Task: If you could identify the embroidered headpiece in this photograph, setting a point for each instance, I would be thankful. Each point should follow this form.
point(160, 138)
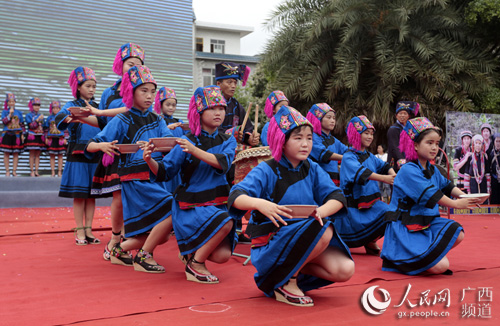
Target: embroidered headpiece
point(136, 76)
point(226, 70)
point(78, 77)
point(316, 113)
point(487, 126)
point(8, 97)
point(477, 138)
point(129, 50)
point(408, 106)
point(271, 101)
point(54, 104)
point(413, 128)
point(355, 128)
point(465, 133)
point(204, 98)
point(281, 124)
point(163, 94)
point(33, 101)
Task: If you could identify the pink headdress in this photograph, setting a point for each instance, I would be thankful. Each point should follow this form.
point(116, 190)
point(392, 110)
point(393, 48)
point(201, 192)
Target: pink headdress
point(355, 128)
point(54, 104)
point(289, 119)
point(8, 97)
point(78, 77)
point(316, 113)
point(33, 101)
point(412, 130)
point(129, 50)
point(137, 75)
point(273, 99)
point(203, 98)
point(163, 94)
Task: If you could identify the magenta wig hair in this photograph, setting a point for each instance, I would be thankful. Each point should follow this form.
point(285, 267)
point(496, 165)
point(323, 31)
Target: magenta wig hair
point(30, 105)
point(316, 123)
point(5, 104)
point(73, 83)
point(194, 117)
point(157, 103)
point(246, 75)
point(269, 108)
point(353, 137)
point(276, 139)
point(107, 160)
point(127, 91)
point(407, 146)
point(118, 63)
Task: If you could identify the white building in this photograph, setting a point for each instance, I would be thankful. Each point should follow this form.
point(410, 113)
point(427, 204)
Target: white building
point(213, 43)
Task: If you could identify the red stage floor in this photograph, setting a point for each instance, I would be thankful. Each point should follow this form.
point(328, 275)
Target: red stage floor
point(48, 280)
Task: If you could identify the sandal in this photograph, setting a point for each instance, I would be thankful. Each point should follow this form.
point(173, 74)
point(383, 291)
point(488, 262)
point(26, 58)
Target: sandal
point(183, 258)
point(140, 264)
point(107, 252)
point(80, 242)
point(91, 240)
point(194, 276)
point(284, 296)
point(120, 257)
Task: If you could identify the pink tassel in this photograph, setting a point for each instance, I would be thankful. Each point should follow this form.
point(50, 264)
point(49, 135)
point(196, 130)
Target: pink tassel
point(61, 141)
point(73, 83)
point(18, 141)
point(417, 107)
point(157, 103)
point(246, 75)
point(194, 118)
point(353, 137)
point(118, 63)
point(31, 137)
point(107, 160)
point(407, 146)
point(315, 122)
point(276, 139)
point(30, 106)
point(127, 91)
point(43, 138)
point(269, 108)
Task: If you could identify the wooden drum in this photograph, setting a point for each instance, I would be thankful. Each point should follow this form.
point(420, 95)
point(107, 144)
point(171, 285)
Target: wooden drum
point(247, 159)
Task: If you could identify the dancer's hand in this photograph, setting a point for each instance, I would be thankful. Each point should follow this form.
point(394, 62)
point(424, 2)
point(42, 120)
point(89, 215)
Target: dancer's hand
point(273, 211)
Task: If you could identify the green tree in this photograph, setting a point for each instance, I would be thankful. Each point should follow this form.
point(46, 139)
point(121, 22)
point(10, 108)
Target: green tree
point(362, 56)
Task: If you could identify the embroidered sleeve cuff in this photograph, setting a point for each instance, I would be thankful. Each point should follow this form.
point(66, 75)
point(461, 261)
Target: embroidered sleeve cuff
point(160, 176)
point(449, 187)
point(336, 195)
point(363, 178)
point(434, 199)
point(385, 169)
point(222, 159)
point(238, 213)
point(326, 157)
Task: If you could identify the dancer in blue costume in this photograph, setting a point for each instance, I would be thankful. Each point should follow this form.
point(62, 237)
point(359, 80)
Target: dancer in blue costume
point(292, 255)
point(11, 141)
point(35, 140)
point(327, 150)
point(203, 228)
point(146, 205)
point(79, 170)
point(417, 239)
point(360, 172)
point(274, 101)
point(55, 141)
point(165, 105)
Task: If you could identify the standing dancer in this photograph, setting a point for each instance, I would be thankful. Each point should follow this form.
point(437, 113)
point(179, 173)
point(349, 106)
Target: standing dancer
point(12, 138)
point(165, 105)
point(463, 155)
point(79, 170)
point(35, 142)
point(55, 140)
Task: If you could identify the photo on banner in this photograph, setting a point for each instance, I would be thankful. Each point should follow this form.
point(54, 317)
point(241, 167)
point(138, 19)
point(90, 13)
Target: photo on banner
point(473, 149)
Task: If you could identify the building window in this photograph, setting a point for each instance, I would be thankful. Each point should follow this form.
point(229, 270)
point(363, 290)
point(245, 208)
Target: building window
point(199, 44)
point(218, 46)
point(208, 76)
